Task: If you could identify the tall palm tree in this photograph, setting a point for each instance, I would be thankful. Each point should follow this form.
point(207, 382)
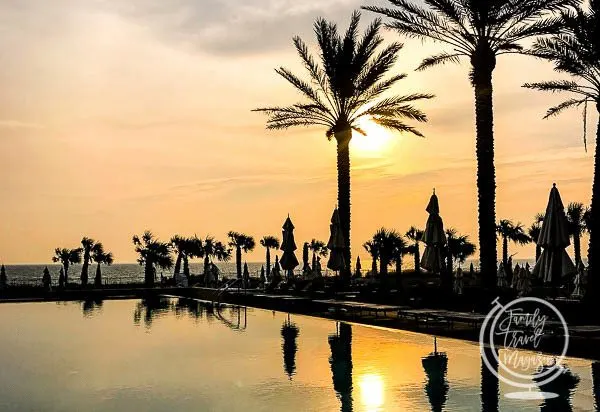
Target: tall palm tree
point(345, 86)
point(575, 52)
point(87, 245)
point(269, 242)
point(178, 244)
point(213, 249)
point(67, 257)
point(459, 248)
point(416, 235)
point(511, 232)
point(372, 250)
point(534, 233)
point(241, 243)
point(100, 257)
point(576, 222)
point(479, 31)
point(152, 254)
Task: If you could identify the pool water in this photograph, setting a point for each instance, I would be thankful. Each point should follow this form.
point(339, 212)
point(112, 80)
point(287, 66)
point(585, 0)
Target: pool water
point(170, 354)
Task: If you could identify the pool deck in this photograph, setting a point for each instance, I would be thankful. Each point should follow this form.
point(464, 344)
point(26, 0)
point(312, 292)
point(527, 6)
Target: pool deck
point(584, 339)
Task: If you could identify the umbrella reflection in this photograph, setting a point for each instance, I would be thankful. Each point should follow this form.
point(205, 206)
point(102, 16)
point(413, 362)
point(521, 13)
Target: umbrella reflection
point(436, 366)
point(289, 333)
point(341, 364)
point(564, 385)
point(90, 307)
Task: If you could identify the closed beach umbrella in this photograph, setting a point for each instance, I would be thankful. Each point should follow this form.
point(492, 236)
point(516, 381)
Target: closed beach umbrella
point(262, 274)
point(246, 273)
point(305, 266)
point(336, 244)
point(434, 237)
point(554, 263)
point(436, 366)
point(288, 246)
point(471, 270)
point(276, 271)
point(501, 277)
point(3, 279)
point(358, 267)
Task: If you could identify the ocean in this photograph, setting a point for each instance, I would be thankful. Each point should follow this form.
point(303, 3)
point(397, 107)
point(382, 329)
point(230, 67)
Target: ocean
point(134, 273)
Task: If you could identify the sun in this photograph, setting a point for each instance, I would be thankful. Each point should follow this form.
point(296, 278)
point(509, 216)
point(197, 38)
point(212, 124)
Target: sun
point(371, 391)
point(375, 142)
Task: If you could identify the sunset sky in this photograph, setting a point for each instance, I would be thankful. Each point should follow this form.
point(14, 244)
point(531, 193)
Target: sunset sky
point(120, 116)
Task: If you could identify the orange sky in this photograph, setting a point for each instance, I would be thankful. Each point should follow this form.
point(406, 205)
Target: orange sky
point(117, 118)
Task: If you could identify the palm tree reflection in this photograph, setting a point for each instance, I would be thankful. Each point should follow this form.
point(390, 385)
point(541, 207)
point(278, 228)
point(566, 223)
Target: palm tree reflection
point(436, 366)
point(490, 386)
point(289, 333)
point(151, 308)
point(341, 364)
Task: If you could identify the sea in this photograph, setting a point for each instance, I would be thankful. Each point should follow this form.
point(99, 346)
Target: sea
point(23, 274)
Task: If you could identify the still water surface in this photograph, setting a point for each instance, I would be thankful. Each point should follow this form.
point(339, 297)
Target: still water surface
point(176, 355)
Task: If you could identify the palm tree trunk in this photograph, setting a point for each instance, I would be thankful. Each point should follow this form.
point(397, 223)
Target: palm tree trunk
point(343, 169)
point(373, 266)
point(399, 265)
point(594, 249)
point(383, 265)
point(268, 263)
point(84, 268)
point(238, 261)
point(98, 278)
point(417, 258)
point(149, 272)
point(178, 263)
point(577, 248)
point(483, 66)
point(186, 266)
point(538, 252)
point(504, 251)
point(66, 266)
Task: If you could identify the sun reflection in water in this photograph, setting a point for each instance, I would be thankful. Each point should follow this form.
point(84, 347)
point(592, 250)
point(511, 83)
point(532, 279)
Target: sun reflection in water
point(371, 391)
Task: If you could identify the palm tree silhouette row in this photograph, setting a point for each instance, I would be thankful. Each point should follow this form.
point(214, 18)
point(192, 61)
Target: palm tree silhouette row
point(101, 258)
point(345, 86)
point(269, 242)
point(515, 233)
point(152, 254)
point(241, 243)
point(67, 257)
point(480, 31)
point(577, 226)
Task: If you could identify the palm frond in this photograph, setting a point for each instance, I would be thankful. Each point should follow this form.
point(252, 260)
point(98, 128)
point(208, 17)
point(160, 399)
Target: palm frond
point(439, 59)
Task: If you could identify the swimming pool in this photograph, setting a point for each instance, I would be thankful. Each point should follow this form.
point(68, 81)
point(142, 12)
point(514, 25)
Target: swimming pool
point(177, 355)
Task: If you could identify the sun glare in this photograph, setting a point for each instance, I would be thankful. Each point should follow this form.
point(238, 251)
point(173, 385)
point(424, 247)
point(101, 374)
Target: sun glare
point(375, 142)
point(371, 392)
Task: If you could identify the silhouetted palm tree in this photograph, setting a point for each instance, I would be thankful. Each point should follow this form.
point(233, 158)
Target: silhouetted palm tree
point(289, 346)
point(87, 245)
point(479, 31)
point(387, 242)
point(240, 242)
point(67, 257)
point(345, 86)
point(371, 248)
point(575, 219)
point(575, 52)
point(400, 250)
point(269, 242)
point(416, 236)
point(178, 244)
point(459, 248)
point(192, 248)
point(214, 249)
point(318, 248)
point(515, 233)
point(340, 361)
point(534, 233)
point(153, 253)
point(100, 257)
